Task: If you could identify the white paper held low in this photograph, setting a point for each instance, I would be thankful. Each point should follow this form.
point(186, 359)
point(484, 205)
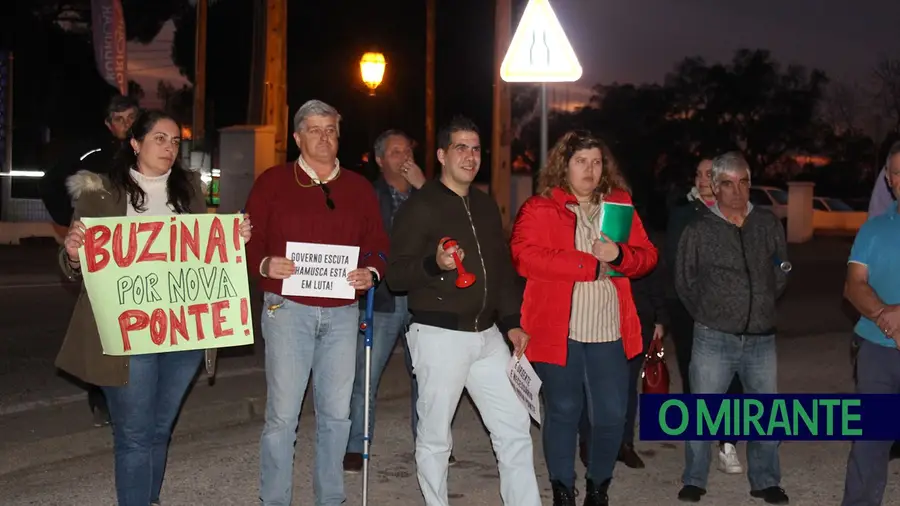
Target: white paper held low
point(526, 384)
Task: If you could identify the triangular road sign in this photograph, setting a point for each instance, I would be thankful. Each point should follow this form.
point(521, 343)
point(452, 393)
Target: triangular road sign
point(540, 51)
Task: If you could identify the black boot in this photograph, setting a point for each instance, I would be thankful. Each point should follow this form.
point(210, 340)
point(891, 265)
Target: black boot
point(629, 457)
point(596, 494)
point(562, 495)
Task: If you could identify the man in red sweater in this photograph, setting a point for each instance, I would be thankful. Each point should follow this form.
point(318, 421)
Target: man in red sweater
point(310, 200)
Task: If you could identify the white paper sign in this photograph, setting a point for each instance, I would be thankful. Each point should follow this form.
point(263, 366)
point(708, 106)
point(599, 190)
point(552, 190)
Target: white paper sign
point(526, 384)
point(320, 270)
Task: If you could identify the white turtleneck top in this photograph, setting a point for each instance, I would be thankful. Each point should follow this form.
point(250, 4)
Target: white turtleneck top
point(156, 203)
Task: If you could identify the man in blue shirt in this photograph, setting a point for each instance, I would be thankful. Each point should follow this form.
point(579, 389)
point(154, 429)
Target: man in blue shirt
point(873, 287)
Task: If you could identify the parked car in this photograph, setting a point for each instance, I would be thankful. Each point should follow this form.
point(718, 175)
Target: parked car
point(771, 198)
point(829, 204)
point(836, 215)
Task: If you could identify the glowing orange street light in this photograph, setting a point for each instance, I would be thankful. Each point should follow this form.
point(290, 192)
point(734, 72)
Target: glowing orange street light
point(372, 68)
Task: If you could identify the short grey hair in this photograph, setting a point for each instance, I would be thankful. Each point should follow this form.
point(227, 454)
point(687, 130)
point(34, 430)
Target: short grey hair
point(315, 108)
point(381, 141)
point(732, 162)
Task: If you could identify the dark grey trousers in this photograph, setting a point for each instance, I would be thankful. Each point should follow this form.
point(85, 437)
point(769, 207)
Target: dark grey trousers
point(877, 372)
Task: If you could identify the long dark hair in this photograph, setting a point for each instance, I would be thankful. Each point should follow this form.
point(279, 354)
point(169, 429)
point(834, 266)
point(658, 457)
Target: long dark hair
point(180, 189)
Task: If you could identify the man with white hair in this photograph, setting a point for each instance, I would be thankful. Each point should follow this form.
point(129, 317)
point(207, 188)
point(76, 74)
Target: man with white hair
point(728, 275)
point(311, 200)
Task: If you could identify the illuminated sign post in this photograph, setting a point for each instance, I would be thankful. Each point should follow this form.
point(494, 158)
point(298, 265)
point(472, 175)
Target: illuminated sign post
point(6, 60)
point(540, 52)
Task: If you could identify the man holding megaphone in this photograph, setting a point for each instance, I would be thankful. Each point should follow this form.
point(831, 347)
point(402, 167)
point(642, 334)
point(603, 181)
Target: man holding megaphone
point(449, 253)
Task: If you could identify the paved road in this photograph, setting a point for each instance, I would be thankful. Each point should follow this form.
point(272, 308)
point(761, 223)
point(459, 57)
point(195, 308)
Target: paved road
point(219, 467)
point(50, 456)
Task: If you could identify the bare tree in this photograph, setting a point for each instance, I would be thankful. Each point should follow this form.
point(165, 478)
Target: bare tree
point(887, 92)
point(843, 107)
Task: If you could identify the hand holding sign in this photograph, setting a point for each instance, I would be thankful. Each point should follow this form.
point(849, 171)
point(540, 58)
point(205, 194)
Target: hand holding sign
point(361, 279)
point(520, 341)
point(74, 241)
point(278, 267)
point(245, 229)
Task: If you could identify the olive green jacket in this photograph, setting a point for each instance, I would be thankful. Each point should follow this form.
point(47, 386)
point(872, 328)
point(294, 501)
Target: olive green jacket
point(81, 354)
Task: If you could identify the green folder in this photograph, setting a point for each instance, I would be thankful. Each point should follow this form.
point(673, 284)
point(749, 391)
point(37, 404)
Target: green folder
point(615, 222)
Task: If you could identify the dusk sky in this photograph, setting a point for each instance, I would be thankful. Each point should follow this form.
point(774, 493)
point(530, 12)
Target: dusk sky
point(641, 40)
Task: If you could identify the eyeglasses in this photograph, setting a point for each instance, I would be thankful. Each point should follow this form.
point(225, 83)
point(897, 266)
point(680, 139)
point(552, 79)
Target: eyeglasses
point(327, 191)
point(330, 132)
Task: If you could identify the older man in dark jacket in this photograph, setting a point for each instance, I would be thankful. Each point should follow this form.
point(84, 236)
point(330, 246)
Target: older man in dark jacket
point(400, 177)
point(728, 277)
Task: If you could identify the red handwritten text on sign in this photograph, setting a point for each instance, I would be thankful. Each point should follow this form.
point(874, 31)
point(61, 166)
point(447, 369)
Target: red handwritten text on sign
point(175, 281)
point(144, 244)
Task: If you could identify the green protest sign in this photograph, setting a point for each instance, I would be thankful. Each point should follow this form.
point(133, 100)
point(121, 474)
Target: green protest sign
point(173, 283)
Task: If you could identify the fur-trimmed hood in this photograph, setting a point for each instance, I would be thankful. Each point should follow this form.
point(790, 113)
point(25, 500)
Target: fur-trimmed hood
point(85, 181)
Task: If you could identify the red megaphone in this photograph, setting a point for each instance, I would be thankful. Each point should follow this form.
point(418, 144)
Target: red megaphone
point(464, 279)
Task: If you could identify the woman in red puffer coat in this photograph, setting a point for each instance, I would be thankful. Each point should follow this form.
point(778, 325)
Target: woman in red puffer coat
point(578, 307)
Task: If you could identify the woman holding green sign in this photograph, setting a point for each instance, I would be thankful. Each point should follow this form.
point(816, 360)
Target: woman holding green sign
point(577, 244)
point(144, 392)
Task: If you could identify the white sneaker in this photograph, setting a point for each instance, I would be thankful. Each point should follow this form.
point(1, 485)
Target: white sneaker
point(728, 460)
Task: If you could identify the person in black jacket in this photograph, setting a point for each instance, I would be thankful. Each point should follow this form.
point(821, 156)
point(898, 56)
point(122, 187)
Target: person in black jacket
point(695, 203)
point(685, 210)
point(456, 336)
point(400, 178)
point(94, 156)
point(649, 299)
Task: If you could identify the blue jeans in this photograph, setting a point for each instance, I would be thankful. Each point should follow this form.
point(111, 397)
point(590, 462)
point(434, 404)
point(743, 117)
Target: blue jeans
point(143, 413)
point(385, 329)
point(301, 339)
point(715, 359)
point(598, 374)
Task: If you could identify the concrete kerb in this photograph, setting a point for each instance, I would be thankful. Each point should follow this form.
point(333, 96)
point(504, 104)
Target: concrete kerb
point(95, 440)
point(204, 410)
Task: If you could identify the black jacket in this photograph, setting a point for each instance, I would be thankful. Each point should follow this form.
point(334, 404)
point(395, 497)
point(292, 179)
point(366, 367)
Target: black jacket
point(94, 156)
point(650, 300)
point(728, 277)
point(384, 296)
point(682, 213)
point(433, 213)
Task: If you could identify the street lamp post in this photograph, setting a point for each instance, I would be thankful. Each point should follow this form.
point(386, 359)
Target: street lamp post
point(372, 68)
